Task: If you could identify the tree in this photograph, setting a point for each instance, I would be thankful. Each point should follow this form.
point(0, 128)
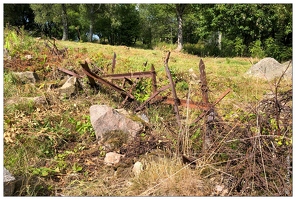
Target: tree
point(245, 24)
point(161, 20)
point(166, 21)
point(180, 8)
point(88, 16)
point(50, 15)
point(120, 23)
point(19, 15)
point(65, 22)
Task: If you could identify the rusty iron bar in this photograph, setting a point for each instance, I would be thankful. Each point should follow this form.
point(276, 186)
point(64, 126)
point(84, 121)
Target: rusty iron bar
point(127, 80)
point(154, 84)
point(152, 97)
point(87, 71)
point(209, 108)
point(70, 72)
point(206, 112)
point(129, 75)
point(130, 90)
point(176, 100)
point(222, 96)
point(85, 67)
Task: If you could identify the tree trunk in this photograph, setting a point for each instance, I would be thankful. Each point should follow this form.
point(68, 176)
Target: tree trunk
point(220, 40)
point(65, 23)
point(91, 23)
point(180, 10)
point(180, 34)
point(91, 32)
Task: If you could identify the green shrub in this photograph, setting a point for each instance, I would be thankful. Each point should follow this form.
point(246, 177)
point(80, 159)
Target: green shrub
point(227, 48)
point(195, 49)
point(256, 49)
point(239, 47)
point(272, 49)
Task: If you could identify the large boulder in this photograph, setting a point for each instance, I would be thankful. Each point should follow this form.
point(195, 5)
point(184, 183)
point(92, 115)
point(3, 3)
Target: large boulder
point(105, 119)
point(269, 69)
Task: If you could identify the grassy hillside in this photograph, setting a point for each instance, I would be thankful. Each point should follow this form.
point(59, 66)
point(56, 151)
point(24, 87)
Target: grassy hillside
point(52, 150)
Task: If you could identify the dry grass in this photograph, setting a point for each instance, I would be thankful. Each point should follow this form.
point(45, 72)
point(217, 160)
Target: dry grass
point(168, 177)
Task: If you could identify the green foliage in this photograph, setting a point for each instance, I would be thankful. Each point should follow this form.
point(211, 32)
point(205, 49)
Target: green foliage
point(11, 10)
point(195, 49)
point(283, 141)
point(143, 90)
point(17, 41)
point(239, 47)
point(249, 23)
point(256, 49)
point(196, 139)
point(271, 48)
point(227, 48)
point(182, 86)
point(42, 171)
point(11, 84)
point(100, 60)
point(158, 22)
point(120, 24)
point(77, 168)
point(82, 127)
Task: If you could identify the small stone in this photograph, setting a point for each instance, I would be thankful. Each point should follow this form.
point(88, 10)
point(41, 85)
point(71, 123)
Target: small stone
point(138, 168)
point(112, 158)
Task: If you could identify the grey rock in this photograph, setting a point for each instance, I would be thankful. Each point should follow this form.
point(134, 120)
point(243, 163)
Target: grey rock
point(138, 168)
point(112, 158)
point(28, 57)
point(105, 119)
point(70, 87)
point(9, 183)
point(27, 77)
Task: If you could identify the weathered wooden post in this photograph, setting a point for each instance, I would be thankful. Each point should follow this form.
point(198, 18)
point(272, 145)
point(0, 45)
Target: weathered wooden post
point(154, 84)
point(210, 113)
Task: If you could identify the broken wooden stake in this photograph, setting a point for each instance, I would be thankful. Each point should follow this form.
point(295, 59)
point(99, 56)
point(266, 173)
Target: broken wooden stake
point(113, 63)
